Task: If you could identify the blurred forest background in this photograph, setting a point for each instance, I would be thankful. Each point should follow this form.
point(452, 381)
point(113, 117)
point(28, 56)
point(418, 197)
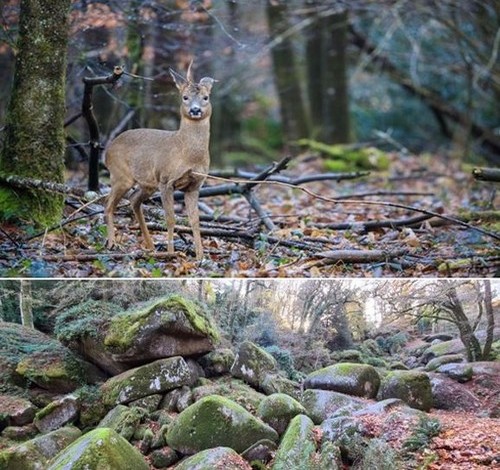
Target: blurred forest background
point(305, 324)
point(422, 76)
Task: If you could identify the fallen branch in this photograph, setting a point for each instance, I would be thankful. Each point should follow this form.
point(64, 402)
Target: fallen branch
point(486, 174)
point(354, 256)
point(376, 224)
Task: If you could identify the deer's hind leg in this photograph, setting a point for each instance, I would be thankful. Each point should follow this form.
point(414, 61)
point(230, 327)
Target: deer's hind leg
point(137, 198)
point(118, 190)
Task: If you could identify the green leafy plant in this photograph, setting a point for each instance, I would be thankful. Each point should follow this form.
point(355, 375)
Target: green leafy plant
point(426, 429)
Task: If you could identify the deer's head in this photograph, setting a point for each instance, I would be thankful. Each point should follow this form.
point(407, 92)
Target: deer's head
point(195, 96)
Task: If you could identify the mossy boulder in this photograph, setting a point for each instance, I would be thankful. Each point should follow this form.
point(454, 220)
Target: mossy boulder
point(359, 380)
point(444, 348)
point(217, 362)
point(323, 404)
point(31, 358)
point(460, 372)
point(16, 411)
point(101, 448)
point(433, 364)
point(123, 420)
point(218, 457)
point(413, 387)
point(157, 377)
point(278, 409)
point(35, 454)
point(298, 447)
point(347, 355)
point(172, 326)
point(447, 394)
point(252, 364)
point(216, 421)
point(57, 414)
point(274, 383)
point(233, 389)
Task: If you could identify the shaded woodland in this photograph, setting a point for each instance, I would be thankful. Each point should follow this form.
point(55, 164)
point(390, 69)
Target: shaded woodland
point(383, 102)
point(375, 374)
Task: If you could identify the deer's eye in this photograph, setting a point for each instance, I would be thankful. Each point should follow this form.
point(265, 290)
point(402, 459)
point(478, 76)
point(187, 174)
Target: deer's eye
point(185, 97)
point(205, 98)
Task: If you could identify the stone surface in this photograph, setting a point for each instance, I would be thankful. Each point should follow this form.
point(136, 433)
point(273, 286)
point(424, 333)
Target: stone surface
point(222, 458)
point(380, 407)
point(359, 380)
point(457, 371)
point(297, 447)
point(278, 409)
point(233, 389)
point(217, 362)
point(156, 377)
point(29, 357)
point(100, 448)
point(34, 454)
point(447, 394)
point(173, 326)
point(274, 383)
point(322, 404)
point(164, 457)
point(215, 421)
point(17, 411)
point(433, 364)
point(57, 414)
point(414, 388)
point(252, 364)
point(123, 420)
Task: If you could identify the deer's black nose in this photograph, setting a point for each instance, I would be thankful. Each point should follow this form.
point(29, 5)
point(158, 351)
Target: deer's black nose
point(195, 111)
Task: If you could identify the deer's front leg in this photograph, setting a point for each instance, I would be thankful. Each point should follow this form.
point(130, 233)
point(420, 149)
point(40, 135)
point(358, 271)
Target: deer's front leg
point(191, 201)
point(167, 199)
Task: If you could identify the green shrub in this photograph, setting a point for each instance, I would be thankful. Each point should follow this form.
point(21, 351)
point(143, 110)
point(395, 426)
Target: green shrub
point(426, 429)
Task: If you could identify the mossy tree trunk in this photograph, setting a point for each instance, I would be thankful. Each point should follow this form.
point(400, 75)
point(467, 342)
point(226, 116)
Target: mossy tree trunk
point(34, 141)
point(460, 319)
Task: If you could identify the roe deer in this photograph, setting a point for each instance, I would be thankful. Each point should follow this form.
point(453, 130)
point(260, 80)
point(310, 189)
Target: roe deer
point(151, 159)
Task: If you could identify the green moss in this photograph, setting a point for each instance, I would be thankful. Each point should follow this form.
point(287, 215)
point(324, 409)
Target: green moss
point(100, 448)
point(46, 411)
point(216, 421)
point(297, 447)
point(125, 326)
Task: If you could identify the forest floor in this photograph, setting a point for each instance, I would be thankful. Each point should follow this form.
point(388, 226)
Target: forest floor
point(333, 229)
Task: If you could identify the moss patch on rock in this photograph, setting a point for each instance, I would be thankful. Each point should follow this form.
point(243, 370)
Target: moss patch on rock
point(125, 326)
point(210, 459)
point(278, 409)
point(100, 448)
point(28, 355)
point(34, 454)
point(297, 447)
point(157, 377)
point(414, 388)
point(354, 379)
point(252, 364)
point(216, 421)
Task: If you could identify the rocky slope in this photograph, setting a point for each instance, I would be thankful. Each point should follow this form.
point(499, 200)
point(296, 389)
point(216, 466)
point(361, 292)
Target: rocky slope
point(149, 388)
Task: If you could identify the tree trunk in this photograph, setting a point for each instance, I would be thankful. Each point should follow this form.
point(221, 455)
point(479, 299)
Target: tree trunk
point(467, 336)
point(488, 307)
point(331, 107)
point(26, 304)
point(34, 139)
point(287, 79)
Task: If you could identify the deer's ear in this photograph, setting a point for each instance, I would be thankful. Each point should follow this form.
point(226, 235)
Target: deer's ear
point(207, 82)
point(179, 80)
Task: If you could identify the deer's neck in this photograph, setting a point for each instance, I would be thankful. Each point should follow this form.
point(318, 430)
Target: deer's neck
point(195, 137)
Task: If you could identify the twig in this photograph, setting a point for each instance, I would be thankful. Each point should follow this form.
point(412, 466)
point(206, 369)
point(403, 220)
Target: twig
point(486, 174)
point(376, 224)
